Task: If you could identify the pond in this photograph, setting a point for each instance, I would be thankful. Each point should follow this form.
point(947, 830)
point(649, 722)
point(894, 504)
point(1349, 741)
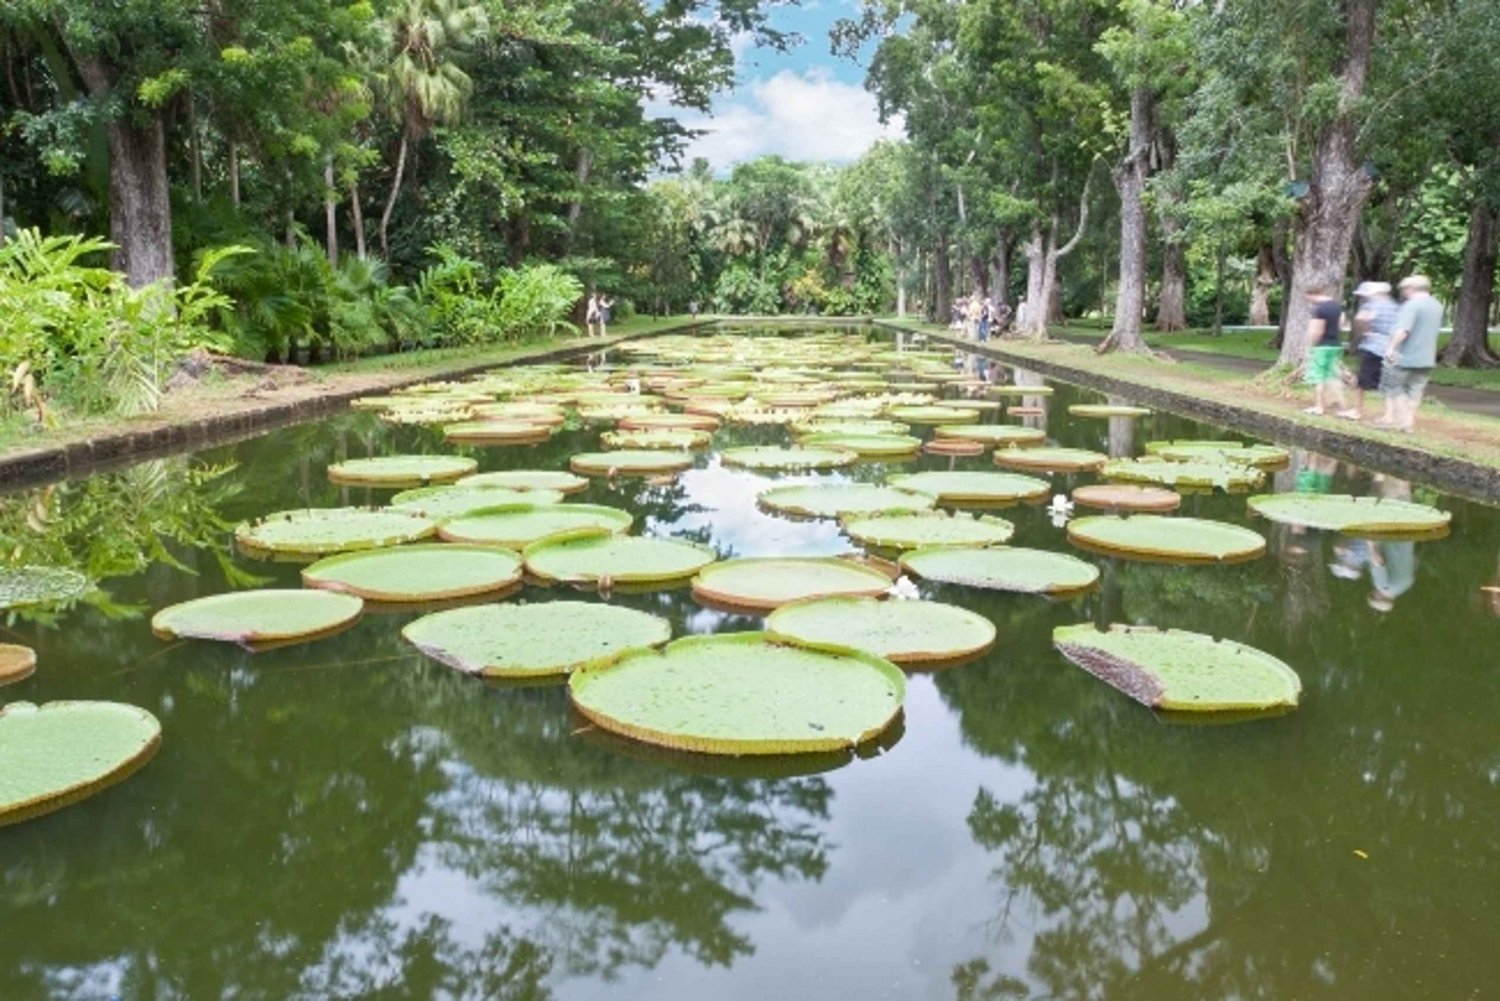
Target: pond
point(346, 818)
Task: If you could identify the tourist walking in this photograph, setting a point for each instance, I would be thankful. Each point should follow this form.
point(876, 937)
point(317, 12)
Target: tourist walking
point(1324, 351)
point(591, 314)
point(986, 318)
point(971, 318)
point(1373, 325)
point(605, 305)
point(1412, 353)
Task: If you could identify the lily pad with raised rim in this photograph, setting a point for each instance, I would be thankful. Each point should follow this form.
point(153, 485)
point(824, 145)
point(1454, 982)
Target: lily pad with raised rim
point(961, 486)
point(516, 526)
point(761, 584)
point(1014, 390)
point(535, 640)
point(1151, 536)
point(743, 693)
point(1264, 456)
point(442, 503)
point(258, 618)
point(602, 560)
point(1181, 671)
point(58, 754)
point(1107, 410)
point(695, 422)
point(909, 633)
point(402, 470)
point(1202, 475)
point(1368, 516)
point(833, 500)
point(871, 446)
point(930, 528)
point(1051, 460)
point(934, 414)
point(39, 585)
point(774, 457)
point(493, 432)
point(630, 462)
point(993, 434)
point(849, 427)
point(1004, 568)
point(16, 663)
point(673, 439)
point(435, 572)
point(1126, 497)
point(528, 479)
point(322, 530)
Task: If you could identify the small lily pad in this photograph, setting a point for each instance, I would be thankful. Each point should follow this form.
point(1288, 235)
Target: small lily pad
point(903, 632)
point(55, 755)
point(1183, 671)
point(440, 503)
point(16, 662)
point(865, 445)
point(535, 640)
point(773, 457)
point(516, 526)
point(1187, 540)
point(1060, 460)
point(957, 487)
point(1107, 410)
point(402, 470)
point(417, 573)
point(673, 439)
point(993, 434)
point(528, 479)
point(1003, 568)
point(832, 500)
point(630, 462)
point(1224, 475)
point(743, 693)
point(1126, 497)
point(1265, 456)
point(39, 585)
point(766, 583)
point(317, 531)
point(930, 528)
point(604, 560)
point(1367, 516)
point(258, 618)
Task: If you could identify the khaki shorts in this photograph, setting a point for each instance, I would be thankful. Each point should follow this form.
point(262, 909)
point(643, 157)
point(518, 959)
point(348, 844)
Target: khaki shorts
point(1404, 382)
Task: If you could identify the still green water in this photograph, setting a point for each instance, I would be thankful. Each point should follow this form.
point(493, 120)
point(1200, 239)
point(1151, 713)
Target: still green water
point(346, 819)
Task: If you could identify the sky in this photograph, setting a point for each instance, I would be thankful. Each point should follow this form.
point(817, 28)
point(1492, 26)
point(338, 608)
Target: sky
point(805, 104)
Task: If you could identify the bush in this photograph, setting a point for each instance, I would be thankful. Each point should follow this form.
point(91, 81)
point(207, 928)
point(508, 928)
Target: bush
point(535, 300)
point(469, 308)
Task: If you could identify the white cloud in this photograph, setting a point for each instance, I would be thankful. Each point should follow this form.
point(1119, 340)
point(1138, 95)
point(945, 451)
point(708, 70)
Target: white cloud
point(807, 116)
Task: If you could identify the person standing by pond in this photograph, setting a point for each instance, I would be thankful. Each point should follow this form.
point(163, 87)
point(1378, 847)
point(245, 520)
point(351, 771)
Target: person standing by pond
point(591, 314)
point(605, 305)
point(1412, 353)
point(1373, 325)
point(1324, 352)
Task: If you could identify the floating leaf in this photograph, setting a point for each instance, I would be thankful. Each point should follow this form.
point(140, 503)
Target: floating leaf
point(993, 434)
point(536, 640)
point(1370, 516)
point(742, 693)
point(258, 618)
point(1061, 460)
point(696, 422)
point(528, 479)
point(603, 560)
point(39, 585)
point(848, 427)
point(516, 526)
point(1126, 497)
point(865, 445)
point(956, 487)
point(765, 583)
point(402, 470)
point(1224, 475)
point(1265, 456)
point(1003, 568)
point(773, 457)
point(493, 432)
point(904, 632)
point(832, 500)
point(1106, 410)
point(1182, 671)
point(417, 573)
point(934, 414)
point(315, 531)
point(1187, 540)
point(440, 503)
point(930, 528)
point(672, 439)
point(16, 662)
point(1013, 390)
point(630, 462)
point(55, 755)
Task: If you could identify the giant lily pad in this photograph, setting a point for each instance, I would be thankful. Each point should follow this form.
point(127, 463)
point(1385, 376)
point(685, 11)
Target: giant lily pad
point(630, 462)
point(1369, 516)
point(934, 414)
point(402, 470)
point(673, 439)
point(528, 479)
point(1126, 497)
point(993, 434)
point(1188, 540)
point(317, 531)
point(1265, 456)
point(818, 425)
point(1224, 475)
point(38, 585)
point(536, 640)
point(903, 632)
point(773, 457)
point(1176, 670)
point(645, 421)
point(1107, 410)
point(440, 503)
point(55, 755)
point(604, 560)
point(496, 432)
point(743, 693)
point(517, 526)
point(1003, 568)
point(957, 487)
point(417, 573)
point(930, 528)
point(865, 445)
point(258, 618)
point(1015, 390)
point(832, 500)
point(16, 662)
point(1061, 460)
point(766, 583)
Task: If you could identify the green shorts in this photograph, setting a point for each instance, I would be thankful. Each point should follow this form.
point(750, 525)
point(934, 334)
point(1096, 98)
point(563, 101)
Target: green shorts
point(1323, 364)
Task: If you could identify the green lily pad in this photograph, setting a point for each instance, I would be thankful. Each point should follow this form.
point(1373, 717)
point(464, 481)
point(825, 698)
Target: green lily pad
point(402, 470)
point(258, 618)
point(55, 755)
point(317, 531)
point(528, 479)
point(630, 462)
point(766, 583)
point(1370, 516)
point(604, 560)
point(493, 432)
point(742, 693)
point(865, 445)
point(1187, 540)
point(934, 414)
point(1126, 497)
point(1182, 671)
point(1060, 460)
point(673, 439)
point(1224, 475)
point(832, 500)
point(440, 503)
point(1106, 410)
point(646, 421)
point(1014, 390)
point(535, 640)
point(930, 528)
point(993, 434)
point(1003, 568)
point(16, 662)
point(38, 585)
point(849, 427)
point(904, 632)
point(1265, 456)
point(417, 573)
point(773, 457)
point(516, 526)
point(957, 487)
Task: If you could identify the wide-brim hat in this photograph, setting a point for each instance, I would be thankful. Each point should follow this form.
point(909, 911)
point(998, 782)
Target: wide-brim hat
point(1367, 289)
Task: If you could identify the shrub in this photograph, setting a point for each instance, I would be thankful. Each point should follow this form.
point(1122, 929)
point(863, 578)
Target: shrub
point(469, 308)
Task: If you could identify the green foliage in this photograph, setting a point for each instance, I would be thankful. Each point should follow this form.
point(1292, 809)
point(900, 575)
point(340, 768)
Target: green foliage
point(469, 306)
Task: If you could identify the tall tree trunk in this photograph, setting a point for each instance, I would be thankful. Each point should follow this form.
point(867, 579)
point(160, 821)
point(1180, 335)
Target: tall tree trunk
point(1171, 301)
point(1042, 257)
point(1031, 315)
point(1280, 253)
point(195, 148)
point(1005, 247)
point(942, 284)
point(1470, 345)
point(978, 275)
point(895, 252)
point(1260, 292)
point(1337, 191)
point(390, 202)
point(1130, 181)
point(330, 213)
point(581, 168)
point(234, 173)
point(357, 212)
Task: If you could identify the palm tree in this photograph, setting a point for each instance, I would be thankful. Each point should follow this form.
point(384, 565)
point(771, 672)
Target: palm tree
point(424, 84)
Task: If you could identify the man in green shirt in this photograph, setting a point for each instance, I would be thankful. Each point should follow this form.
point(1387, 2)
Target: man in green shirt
point(1412, 353)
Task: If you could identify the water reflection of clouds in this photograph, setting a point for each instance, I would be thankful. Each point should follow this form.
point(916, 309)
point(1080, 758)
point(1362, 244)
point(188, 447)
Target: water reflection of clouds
point(722, 501)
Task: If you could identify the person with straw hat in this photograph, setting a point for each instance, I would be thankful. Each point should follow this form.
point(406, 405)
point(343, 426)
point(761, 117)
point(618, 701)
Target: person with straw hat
point(1412, 353)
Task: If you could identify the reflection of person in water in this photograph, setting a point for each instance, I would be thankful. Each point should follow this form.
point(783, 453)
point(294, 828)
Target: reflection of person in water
point(1350, 559)
point(1393, 570)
